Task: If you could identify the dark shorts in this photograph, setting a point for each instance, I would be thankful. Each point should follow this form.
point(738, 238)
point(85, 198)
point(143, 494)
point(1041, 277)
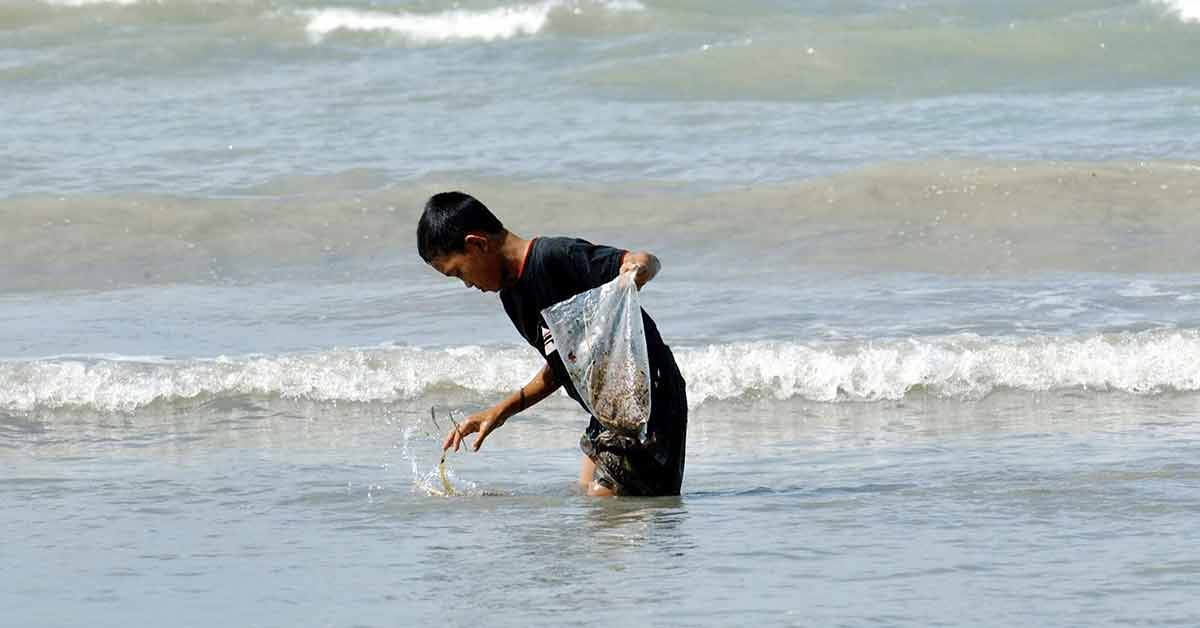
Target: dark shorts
point(628, 466)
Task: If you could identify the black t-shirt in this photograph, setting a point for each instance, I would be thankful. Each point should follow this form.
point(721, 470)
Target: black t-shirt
point(556, 269)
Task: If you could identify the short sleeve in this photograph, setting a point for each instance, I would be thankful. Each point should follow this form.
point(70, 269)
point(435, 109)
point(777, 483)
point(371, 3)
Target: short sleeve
point(594, 265)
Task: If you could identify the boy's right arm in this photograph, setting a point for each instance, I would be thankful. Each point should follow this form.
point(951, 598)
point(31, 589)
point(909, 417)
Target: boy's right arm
point(541, 386)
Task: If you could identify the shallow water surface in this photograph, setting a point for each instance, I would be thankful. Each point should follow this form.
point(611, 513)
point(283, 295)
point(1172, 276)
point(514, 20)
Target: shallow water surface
point(929, 269)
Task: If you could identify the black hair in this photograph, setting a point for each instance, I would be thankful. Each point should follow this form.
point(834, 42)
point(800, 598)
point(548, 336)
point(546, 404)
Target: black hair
point(447, 219)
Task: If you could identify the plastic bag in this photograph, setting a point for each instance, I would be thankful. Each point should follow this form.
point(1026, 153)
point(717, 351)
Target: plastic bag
point(601, 341)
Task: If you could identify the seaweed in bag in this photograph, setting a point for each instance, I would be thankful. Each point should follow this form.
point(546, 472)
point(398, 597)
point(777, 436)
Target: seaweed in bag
point(602, 343)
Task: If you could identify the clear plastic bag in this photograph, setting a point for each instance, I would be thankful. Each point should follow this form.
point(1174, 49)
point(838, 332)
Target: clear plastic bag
point(601, 340)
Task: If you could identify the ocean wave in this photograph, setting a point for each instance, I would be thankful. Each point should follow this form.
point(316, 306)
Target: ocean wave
point(504, 22)
point(834, 58)
point(499, 23)
point(353, 375)
point(87, 3)
point(269, 20)
point(955, 367)
point(934, 216)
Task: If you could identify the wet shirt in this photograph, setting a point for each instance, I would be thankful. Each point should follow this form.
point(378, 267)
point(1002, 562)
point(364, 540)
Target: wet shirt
point(556, 269)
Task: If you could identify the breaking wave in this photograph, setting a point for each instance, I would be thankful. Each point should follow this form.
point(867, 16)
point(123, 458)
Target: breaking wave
point(504, 22)
point(955, 367)
point(499, 23)
point(85, 3)
point(268, 20)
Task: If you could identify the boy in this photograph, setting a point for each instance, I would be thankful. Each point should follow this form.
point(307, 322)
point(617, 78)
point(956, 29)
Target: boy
point(461, 238)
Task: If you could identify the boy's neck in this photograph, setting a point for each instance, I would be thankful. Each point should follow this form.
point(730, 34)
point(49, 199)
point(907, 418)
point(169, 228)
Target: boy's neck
point(513, 249)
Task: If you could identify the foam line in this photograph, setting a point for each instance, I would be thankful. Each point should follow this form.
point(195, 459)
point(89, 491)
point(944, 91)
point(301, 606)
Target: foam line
point(495, 24)
point(957, 367)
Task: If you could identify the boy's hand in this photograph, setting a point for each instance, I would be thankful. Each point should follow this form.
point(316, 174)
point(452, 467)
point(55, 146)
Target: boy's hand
point(644, 266)
point(482, 422)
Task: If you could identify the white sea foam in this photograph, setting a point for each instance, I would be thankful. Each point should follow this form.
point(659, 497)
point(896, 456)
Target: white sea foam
point(498, 23)
point(1186, 10)
point(965, 367)
point(505, 22)
point(956, 367)
point(1144, 289)
point(85, 3)
point(339, 375)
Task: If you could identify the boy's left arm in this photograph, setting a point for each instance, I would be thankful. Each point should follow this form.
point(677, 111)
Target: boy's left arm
point(645, 264)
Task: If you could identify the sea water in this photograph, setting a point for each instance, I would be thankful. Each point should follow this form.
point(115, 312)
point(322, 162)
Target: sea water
point(929, 269)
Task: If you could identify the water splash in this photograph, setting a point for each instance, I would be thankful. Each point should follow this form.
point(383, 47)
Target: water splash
point(417, 443)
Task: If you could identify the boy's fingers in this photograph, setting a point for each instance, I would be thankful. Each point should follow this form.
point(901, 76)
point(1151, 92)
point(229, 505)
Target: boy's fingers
point(452, 439)
point(482, 435)
point(486, 428)
point(461, 431)
point(456, 436)
point(479, 440)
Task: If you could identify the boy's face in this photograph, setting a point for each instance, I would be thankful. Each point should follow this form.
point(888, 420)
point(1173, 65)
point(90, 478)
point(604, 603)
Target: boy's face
point(476, 265)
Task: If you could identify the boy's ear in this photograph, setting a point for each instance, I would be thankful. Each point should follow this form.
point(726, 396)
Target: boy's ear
point(474, 241)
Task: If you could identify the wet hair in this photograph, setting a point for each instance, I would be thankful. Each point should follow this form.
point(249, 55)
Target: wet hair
point(447, 219)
